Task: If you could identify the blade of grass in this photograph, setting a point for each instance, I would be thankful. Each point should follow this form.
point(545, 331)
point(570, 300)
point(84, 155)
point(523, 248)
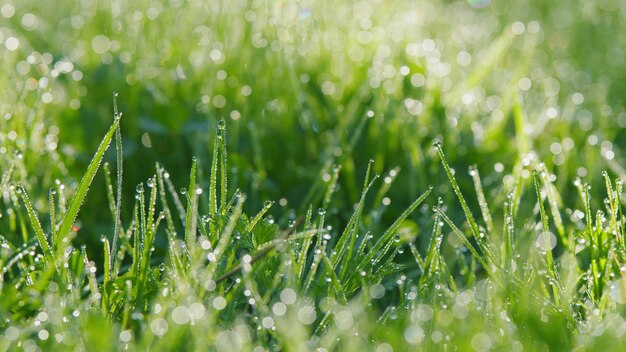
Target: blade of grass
point(387, 235)
point(191, 221)
point(34, 222)
point(457, 191)
point(482, 201)
point(118, 204)
point(221, 129)
point(83, 187)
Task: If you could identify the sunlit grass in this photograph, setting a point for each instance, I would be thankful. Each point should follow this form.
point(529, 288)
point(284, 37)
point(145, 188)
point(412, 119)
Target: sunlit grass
point(312, 175)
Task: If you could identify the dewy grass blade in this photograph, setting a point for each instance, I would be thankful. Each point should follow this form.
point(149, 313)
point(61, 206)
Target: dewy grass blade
point(457, 191)
point(107, 274)
point(213, 186)
point(182, 214)
point(611, 196)
point(109, 188)
point(118, 204)
point(166, 209)
point(191, 221)
point(554, 204)
point(221, 130)
point(382, 241)
point(331, 186)
point(83, 187)
point(53, 217)
point(386, 186)
point(36, 225)
point(352, 228)
point(418, 258)
point(266, 206)
point(6, 176)
point(546, 235)
point(482, 201)
point(334, 279)
point(465, 241)
point(224, 239)
point(91, 277)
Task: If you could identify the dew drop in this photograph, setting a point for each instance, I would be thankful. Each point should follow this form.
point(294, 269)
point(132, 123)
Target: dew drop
point(267, 204)
point(139, 188)
point(321, 211)
point(183, 191)
point(221, 124)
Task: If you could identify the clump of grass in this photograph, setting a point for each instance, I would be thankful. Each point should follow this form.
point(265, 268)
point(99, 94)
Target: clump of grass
point(311, 224)
point(226, 279)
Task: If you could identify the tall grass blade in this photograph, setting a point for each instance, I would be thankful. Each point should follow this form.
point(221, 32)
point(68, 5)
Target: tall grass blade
point(83, 187)
point(36, 225)
point(390, 232)
point(191, 221)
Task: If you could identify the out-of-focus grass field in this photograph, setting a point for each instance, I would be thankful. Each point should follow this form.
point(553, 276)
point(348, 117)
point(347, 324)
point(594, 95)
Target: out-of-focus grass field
point(312, 175)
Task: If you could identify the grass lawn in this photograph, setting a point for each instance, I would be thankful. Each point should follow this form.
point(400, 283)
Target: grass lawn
point(264, 175)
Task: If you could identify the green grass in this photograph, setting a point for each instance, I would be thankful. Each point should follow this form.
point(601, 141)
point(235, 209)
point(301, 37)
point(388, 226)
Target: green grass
point(384, 176)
